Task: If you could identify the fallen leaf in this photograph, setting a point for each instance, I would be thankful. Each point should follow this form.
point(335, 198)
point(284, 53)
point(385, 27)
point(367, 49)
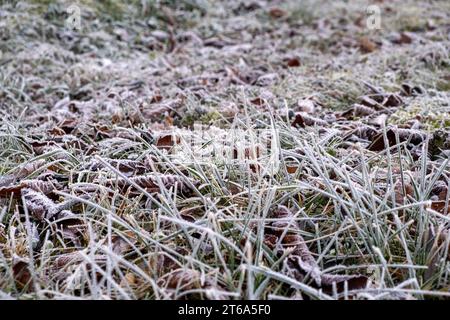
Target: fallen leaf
point(300, 262)
point(302, 120)
point(403, 38)
point(277, 13)
point(293, 62)
point(366, 45)
point(415, 137)
point(22, 274)
point(411, 90)
point(357, 110)
point(167, 141)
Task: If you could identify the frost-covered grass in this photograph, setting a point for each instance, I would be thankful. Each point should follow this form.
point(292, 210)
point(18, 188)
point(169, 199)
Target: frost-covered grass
point(98, 201)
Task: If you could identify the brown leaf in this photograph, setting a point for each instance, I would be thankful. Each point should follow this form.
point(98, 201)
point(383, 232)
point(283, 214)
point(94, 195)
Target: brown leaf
point(129, 279)
point(402, 192)
point(414, 136)
point(403, 38)
point(301, 262)
point(293, 62)
point(357, 110)
point(71, 234)
point(302, 120)
point(379, 100)
point(56, 131)
point(167, 141)
point(291, 168)
point(277, 13)
point(41, 207)
point(189, 279)
point(440, 206)
point(258, 101)
point(127, 167)
point(370, 102)
point(364, 132)
point(154, 111)
point(42, 186)
point(156, 98)
point(22, 274)
point(366, 45)
point(120, 246)
point(14, 188)
point(28, 168)
point(392, 100)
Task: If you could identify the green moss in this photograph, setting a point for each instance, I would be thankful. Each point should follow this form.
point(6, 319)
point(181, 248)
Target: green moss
point(210, 117)
point(199, 115)
point(443, 85)
point(429, 118)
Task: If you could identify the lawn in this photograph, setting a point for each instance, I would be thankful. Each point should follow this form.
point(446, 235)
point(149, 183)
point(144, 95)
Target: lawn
point(203, 149)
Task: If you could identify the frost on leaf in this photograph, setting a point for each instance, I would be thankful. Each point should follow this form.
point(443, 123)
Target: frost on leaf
point(283, 234)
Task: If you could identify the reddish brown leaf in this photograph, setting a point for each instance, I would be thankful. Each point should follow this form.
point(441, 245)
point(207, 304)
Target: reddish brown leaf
point(411, 90)
point(167, 141)
point(293, 62)
point(302, 120)
point(277, 13)
point(258, 101)
point(366, 45)
point(403, 38)
point(22, 274)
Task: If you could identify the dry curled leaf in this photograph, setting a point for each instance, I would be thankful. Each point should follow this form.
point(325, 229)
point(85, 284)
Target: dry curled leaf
point(366, 45)
point(357, 110)
point(277, 13)
point(303, 120)
point(412, 90)
point(22, 274)
point(45, 187)
point(120, 245)
point(27, 169)
point(184, 279)
point(300, 262)
point(38, 205)
point(293, 62)
point(151, 184)
point(403, 38)
point(167, 141)
point(154, 111)
point(379, 101)
point(415, 137)
point(41, 207)
point(127, 167)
